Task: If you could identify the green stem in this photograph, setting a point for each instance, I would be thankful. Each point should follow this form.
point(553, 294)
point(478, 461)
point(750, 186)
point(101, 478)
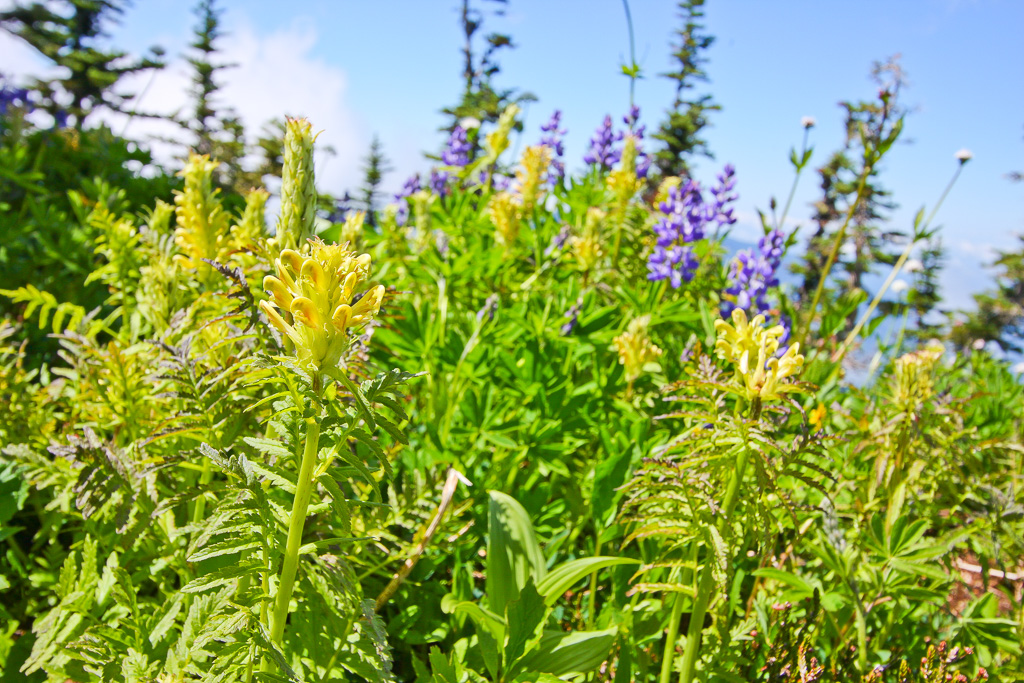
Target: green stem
point(892, 275)
point(706, 589)
point(632, 51)
point(670, 639)
point(303, 491)
point(805, 328)
point(591, 613)
point(796, 179)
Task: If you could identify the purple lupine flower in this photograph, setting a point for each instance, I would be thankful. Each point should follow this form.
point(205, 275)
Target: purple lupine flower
point(676, 264)
point(753, 273)
point(439, 181)
point(643, 161)
point(411, 187)
point(602, 146)
point(456, 153)
point(558, 241)
point(573, 315)
point(60, 119)
point(552, 139)
point(685, 219)
point(724, 195)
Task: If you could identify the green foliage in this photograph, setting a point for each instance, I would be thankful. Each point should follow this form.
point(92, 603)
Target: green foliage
point(486, 449)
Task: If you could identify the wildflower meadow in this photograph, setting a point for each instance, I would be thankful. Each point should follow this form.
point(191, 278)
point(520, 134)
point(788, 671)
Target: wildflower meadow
point(530, 418)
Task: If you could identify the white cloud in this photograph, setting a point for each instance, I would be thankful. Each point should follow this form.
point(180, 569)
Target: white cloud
point(276, 75)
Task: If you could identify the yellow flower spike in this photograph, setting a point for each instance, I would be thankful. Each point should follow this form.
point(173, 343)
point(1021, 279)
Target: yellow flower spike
point(353, 227)
point(503, 208)
point(635, 347)
point(531, 175)
point(742, 341)
point(202, 229)
point(319, 299)
point(298, 193)
point(912, 377)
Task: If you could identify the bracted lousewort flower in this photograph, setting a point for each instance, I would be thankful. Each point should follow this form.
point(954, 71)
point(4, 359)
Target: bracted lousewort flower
point(751, 348)
point(531, 176)
point(319, 291)
point(636, 348)
point(202, 230)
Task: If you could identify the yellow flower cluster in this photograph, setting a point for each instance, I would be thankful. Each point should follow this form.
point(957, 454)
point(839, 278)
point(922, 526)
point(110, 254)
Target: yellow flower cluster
point(503, 208)
point(202, 223)
point(586, 248)
point(635, 347)
point(317, 292)
point(751, 348)
point(622, 182)
point(353, 227)
point(912, 378)
point(531, 174)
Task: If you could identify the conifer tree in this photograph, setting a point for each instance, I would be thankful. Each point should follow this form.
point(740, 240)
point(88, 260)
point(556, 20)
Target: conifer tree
point(480, 99)
point(868, 240)
point(374, 168)
point(682, 130)
point(68, 33)
point(1000, 312)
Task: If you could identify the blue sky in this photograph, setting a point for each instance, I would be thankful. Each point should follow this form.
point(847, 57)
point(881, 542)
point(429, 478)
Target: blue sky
point(357, 68)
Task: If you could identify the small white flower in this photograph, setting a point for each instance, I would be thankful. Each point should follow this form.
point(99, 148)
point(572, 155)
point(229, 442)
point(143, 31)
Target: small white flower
point(899, 286)
point(1018, 369)
point(913, 266)
point(808, 122)
point(978, 344)
point(468, 122)
point(964, 155)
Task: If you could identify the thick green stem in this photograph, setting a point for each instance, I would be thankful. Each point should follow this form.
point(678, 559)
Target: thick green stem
point(706, 589)
point(670, 639)
point(303, 491)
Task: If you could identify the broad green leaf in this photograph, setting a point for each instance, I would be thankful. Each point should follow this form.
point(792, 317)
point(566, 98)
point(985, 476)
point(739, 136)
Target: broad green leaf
point(513, 553)
point(564, 576)
point(561, 653)
point(525, 617)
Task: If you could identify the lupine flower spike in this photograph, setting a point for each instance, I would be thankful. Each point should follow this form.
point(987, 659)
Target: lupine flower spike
point(320, 292)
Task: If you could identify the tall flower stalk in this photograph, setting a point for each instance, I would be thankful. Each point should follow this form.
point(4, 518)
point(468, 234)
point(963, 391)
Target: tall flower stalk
point(319, 291)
